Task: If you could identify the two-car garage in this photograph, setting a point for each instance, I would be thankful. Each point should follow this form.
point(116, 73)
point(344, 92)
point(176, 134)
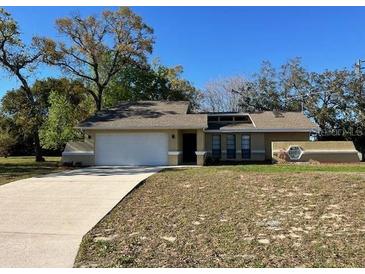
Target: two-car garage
point(137, 148)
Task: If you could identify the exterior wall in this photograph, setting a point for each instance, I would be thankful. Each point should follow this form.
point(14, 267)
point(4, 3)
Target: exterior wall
point(282, 136)
point(321, 151)
point(175, 143)
point(260, 144)
point(331, 157)
point(175, 147)
point(80, 153)
point(257, 146)
point(84, 160)
point(89, 137)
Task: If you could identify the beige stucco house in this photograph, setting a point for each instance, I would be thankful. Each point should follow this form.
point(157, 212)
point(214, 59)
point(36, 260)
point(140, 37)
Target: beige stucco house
point(168, 133)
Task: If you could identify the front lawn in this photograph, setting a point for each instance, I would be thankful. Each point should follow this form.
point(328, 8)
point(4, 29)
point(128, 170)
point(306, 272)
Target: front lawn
point(16, 168)
point(301, 167)
point(235, 217)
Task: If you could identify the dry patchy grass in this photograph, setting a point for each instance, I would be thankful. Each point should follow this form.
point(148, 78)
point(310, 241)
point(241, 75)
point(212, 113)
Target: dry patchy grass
point(223, 217)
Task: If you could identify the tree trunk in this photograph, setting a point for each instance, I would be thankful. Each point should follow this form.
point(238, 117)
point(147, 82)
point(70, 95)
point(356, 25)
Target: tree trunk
point(98, 104)
point(99, 101)
point(37, 148)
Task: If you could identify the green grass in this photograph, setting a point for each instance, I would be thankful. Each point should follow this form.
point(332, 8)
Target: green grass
point(16, 168)
point(300, 167)
point(233, 216)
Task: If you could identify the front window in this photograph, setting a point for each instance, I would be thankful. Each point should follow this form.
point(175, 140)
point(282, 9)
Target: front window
point(231, 146)
point(246, 146)
point(216, 146)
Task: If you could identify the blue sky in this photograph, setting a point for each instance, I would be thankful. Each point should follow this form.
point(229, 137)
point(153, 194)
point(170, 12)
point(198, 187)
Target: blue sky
point(222, 41)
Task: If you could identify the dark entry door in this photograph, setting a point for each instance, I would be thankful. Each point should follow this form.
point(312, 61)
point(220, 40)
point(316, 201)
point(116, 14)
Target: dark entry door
point(189, 148)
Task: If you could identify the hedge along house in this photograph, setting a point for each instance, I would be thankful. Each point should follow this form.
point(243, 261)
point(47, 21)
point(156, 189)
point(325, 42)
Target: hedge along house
point(168, 133)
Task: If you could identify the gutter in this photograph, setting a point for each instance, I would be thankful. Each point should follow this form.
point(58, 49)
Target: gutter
point(136, 128)
point(261, 130)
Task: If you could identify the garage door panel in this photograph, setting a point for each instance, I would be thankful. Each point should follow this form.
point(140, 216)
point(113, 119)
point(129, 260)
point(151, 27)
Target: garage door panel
point(131, 149)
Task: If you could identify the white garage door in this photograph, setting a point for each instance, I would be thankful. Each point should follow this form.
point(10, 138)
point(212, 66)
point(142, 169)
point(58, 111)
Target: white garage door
point(130, 149)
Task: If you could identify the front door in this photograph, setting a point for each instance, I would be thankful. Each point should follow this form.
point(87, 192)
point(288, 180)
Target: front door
point(189, 148)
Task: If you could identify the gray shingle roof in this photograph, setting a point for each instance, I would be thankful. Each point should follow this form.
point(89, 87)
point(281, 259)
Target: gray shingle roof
point(281, 120)
point(174, 115)
point(146, 115)
point(267, 121)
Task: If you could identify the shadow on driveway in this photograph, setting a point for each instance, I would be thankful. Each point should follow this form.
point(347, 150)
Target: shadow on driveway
point(106, 171)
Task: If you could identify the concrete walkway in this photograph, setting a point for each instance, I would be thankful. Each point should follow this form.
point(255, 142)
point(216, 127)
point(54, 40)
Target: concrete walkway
point(42, 220)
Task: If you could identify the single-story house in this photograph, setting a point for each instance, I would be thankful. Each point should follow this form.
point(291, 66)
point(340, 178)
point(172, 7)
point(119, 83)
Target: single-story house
point(168, 133)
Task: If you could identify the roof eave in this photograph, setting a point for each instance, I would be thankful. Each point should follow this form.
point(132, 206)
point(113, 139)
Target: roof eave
point(141, 128)
point(264, 130)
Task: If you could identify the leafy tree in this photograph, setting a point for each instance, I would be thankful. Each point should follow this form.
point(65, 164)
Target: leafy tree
point(324, 103)
point(98, 48)
point(15, 107)
point(293, 85)
point(63, 116)
point(266, 95)
point(156, 82)
point(355, 112)
point(172, 87)
point(7, 140)
point(261, 93)
point(20, 61)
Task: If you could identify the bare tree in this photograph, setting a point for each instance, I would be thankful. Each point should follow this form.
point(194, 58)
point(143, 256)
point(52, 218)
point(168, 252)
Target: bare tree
point(98, 47)
point(20, 60)
point(221, 95)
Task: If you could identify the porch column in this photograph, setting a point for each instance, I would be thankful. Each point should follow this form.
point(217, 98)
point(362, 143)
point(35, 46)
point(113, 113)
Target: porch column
point(175, 148)
point(200, 147)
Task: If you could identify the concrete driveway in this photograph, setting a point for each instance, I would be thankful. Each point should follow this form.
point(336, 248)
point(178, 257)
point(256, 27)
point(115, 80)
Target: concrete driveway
point(42, 220)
